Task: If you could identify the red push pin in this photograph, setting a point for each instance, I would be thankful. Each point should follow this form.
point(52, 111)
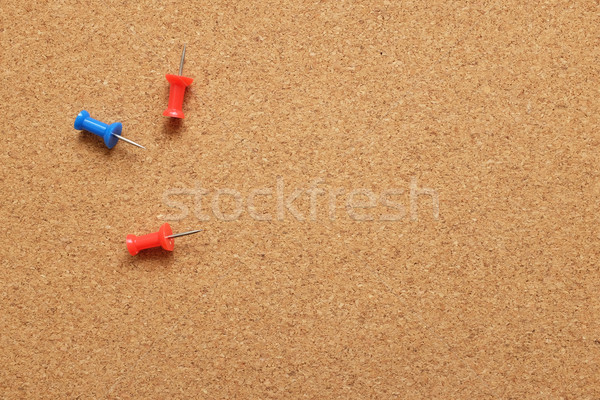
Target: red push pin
point(177, 90)
point(163, 238)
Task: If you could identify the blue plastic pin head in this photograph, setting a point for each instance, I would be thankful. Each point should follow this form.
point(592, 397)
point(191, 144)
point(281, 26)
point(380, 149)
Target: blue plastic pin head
point(110, 133)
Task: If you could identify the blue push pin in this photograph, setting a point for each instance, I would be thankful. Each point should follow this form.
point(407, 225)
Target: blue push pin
point(110, 133)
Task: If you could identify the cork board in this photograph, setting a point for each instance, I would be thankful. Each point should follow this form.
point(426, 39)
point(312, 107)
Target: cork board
point(399, 200)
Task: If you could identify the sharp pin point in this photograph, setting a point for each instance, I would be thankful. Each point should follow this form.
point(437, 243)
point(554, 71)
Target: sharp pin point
point(129, 141)
point(183, 234)
point(181, 62)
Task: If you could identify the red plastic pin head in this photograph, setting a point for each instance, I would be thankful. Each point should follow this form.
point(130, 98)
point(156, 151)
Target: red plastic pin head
point(177, 91)
point(176, 94)
point(156, 239)
point(163, 238)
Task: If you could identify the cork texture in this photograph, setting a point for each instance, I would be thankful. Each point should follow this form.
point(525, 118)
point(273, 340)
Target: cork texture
point(399, 200)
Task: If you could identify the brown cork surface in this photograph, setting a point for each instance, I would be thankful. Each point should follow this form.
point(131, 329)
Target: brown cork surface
point(399, 200)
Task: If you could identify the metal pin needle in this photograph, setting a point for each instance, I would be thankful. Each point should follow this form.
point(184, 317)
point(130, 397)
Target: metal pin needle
point(129, 141)
point(183, 234)
point(181, 62)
